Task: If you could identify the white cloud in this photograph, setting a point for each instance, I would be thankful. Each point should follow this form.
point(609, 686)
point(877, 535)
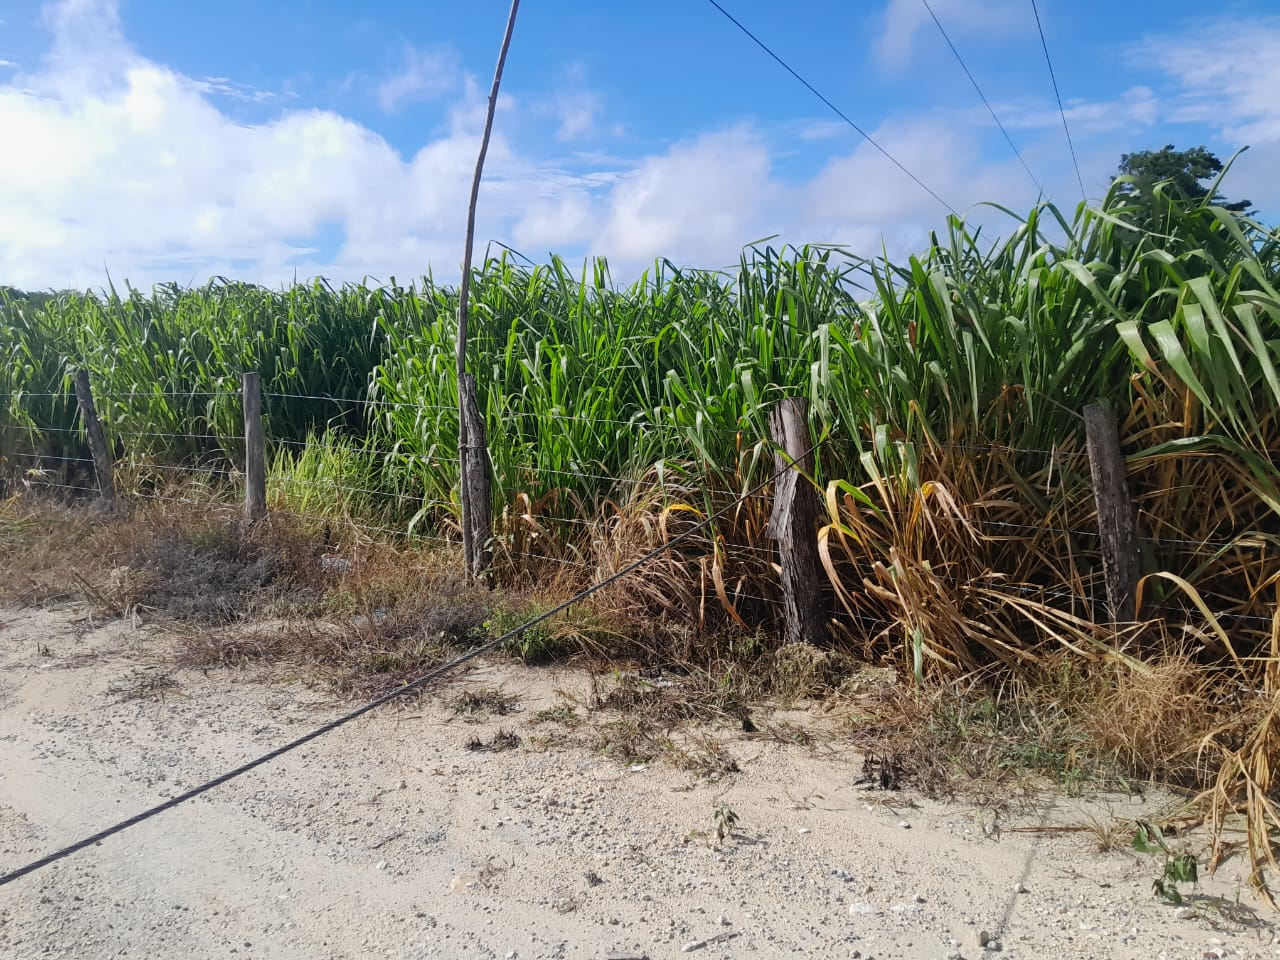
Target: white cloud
point(903, 19)
point(1136, 107)
point(232, 90)
point(696, 203)
point(1228, 75)
point(131, 166)
point(577, 112)
point(426, 75)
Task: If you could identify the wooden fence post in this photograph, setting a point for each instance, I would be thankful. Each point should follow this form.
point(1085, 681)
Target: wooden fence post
point(793, 524)
point(255, 450)
point(477, 498)
point(104, 468)
point(1115, 512)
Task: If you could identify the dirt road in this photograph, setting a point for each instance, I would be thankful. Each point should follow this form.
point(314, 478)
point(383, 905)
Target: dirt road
point(391, 838)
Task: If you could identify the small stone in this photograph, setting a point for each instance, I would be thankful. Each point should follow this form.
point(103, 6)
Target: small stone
point(1184, 913)
point(919, 898)
point(722, 921)
point(983, 938)
point(904, 825)
point(381, 865)
point(1020, 888)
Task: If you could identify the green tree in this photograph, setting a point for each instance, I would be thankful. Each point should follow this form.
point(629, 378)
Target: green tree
point(1185, 168)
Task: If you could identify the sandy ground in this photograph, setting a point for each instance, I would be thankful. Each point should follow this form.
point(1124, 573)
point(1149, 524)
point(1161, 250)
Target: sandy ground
point(389, 838)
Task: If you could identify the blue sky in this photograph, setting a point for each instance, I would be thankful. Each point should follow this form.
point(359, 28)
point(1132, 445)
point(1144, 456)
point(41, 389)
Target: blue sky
point(164, 141)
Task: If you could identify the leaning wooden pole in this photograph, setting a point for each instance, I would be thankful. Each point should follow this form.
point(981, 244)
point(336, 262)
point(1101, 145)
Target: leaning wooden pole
point(473, 468)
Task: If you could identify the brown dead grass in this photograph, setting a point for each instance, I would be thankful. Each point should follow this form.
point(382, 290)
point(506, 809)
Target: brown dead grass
point(1073, 725)
point(1080, 709)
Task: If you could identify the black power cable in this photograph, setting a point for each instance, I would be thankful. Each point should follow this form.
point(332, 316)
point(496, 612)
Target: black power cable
point(1061, 112)
point(410, 687)
point(986, 103)
point(834, 109)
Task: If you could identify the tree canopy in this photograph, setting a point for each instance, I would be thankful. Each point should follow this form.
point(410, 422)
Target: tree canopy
point(1185, 168)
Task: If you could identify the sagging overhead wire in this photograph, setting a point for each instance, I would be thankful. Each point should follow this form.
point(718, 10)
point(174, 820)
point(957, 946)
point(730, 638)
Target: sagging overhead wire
point(408, 688)
point(982, 96)
point(1061, 112)
point(834, 109)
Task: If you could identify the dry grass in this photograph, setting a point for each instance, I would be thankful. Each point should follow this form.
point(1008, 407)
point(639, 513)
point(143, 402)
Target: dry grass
point(500, 742)
point(481, 703)
point(1062, 723)
point(1042, 695)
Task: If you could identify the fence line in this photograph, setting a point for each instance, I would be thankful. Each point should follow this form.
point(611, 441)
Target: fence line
point(1025, 590)
point(689, 490)
point(1242, 543)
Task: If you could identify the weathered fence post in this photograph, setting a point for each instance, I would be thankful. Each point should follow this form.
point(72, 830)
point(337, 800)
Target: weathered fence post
point(255, 451)
point(477, 500)
point(1115, 512)
point(793, 524)
point(103, 466)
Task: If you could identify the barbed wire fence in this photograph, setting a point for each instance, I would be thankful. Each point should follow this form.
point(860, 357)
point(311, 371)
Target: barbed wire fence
point(410, 497)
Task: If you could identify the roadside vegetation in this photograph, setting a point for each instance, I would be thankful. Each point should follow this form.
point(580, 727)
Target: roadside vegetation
point(958, 536)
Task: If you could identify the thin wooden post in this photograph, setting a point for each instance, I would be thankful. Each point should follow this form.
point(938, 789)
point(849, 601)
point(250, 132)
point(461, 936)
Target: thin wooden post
point(468, 450)
point(1115, 512)
point(793, 524)
point(255, 450)
point(104, 467)
point(476, 483)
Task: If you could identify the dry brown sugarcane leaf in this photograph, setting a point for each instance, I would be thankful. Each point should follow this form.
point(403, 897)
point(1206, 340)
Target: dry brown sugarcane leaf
point(1195, 597)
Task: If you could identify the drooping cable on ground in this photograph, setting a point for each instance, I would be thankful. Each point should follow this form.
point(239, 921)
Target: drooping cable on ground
point(982, 96)
point(834, 109)
point(1061, 112)
point(410, 687)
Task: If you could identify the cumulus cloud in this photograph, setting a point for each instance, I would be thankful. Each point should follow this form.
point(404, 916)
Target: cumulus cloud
point(698, 202)
point(130, 166)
